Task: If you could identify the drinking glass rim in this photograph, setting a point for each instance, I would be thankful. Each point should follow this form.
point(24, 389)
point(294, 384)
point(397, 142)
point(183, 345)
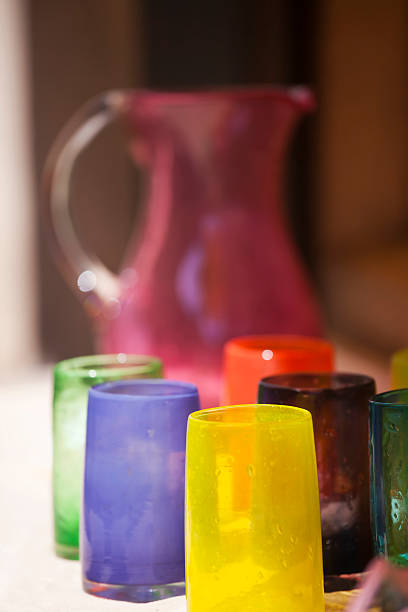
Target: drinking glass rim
point(380, 399)
point(279, 343)
point(104, 390)
point(300, 415)
point(347, 382)
point(94, 366)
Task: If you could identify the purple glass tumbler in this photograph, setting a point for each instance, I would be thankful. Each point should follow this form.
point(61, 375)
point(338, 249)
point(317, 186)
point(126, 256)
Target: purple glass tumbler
point(132, 527)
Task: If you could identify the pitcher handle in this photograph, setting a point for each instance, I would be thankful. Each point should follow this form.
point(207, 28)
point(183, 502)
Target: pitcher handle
point(97, 286)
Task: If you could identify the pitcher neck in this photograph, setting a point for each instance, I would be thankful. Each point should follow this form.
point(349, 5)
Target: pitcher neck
point(230, 145)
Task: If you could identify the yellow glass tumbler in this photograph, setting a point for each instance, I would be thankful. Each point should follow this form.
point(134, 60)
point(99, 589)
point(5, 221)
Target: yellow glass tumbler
point(399, 369)
point(264, 554)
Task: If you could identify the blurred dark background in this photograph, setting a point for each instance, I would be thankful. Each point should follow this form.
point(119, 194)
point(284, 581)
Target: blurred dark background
point(347, 181)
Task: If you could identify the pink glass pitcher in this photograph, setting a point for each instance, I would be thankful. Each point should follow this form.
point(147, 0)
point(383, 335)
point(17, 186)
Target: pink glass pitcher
point(212, 257)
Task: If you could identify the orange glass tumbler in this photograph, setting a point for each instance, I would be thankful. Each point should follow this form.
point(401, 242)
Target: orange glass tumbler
point(247, 359)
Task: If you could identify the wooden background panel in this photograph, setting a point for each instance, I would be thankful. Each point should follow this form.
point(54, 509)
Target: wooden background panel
point(362, 157)
point(361, 178)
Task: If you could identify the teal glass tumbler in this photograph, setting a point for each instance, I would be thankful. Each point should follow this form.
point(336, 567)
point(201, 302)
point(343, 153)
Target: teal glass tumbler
point(72, 381)
point(389, 474)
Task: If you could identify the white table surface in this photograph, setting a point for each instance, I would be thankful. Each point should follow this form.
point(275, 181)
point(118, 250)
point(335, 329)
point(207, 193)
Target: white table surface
point(32, 578)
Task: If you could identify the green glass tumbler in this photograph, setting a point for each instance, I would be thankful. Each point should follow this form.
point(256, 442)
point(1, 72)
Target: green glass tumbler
point(389, 474)
point(72, 380)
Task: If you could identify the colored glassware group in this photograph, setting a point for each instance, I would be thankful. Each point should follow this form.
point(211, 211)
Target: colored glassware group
point(254, 528)
point(256, 534)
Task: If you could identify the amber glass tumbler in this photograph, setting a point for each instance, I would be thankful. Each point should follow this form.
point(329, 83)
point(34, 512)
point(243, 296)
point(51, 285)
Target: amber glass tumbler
point(339, 407)
point(247, 359)
point(253, 539)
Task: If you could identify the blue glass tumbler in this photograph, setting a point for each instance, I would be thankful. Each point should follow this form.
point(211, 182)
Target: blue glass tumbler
point(389, 474)
point(132, 527)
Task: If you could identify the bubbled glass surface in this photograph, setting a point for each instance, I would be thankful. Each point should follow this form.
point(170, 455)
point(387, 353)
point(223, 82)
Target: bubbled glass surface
point(253, 538)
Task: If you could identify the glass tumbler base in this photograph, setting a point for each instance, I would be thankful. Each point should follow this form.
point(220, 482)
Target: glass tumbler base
point(67, 552)
point(132, 592)
point(344, 582)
